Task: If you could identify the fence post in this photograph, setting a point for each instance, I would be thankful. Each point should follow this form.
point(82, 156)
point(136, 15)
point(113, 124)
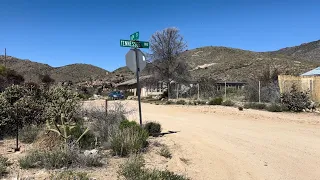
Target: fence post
point(225, 90)
point(177, 87)
point(198, 91)
point(259, 92)
point(106, 106)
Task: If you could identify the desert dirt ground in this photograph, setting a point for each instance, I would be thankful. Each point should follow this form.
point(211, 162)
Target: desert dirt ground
point(218, 142)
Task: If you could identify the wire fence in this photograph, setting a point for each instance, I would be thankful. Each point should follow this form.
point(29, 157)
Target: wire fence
point(254, 91)
point(240, 92)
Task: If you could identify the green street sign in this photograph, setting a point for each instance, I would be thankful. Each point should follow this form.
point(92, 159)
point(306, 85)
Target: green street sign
point(125, 43)
point(144, 44)
point(134, 44)
point(134, 36)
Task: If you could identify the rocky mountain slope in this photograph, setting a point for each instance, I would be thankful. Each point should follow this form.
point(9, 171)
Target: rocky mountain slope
point(74, 72)
point(231, 64)
point(309, 51)
point(221, 63)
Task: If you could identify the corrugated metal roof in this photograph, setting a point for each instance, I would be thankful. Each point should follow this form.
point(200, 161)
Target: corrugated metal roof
point(314, 72)
point(132, 81)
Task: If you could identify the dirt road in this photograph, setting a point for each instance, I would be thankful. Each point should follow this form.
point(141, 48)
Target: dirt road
point(224, 143)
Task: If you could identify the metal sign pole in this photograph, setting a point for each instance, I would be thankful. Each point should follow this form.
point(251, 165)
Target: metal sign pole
point(138, 86)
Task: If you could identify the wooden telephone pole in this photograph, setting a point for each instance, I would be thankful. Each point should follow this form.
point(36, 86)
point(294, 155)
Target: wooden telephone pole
point(5, 57)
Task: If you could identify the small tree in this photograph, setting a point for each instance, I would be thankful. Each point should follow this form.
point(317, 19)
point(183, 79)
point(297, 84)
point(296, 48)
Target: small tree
point(165, 47)
point(18, 108)
point(296, 100)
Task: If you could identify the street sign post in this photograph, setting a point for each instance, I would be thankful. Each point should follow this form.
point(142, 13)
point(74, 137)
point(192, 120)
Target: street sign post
point(136, 61)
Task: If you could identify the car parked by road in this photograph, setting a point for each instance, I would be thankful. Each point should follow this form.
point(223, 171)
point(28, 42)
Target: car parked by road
point(115, 95)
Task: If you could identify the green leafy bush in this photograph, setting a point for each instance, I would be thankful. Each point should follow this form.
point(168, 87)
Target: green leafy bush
point(296, 100)
point(4, 163)
point(181, 102)
point(165, 152)
point(152, 127)
point(68, 175)
point(128, 124)
point(216, 101)
point(274, 108)
point(128, 140)
point(228, 103)
point(19, 106)
point(134, 169)
point(28, 134)
point(253, 105)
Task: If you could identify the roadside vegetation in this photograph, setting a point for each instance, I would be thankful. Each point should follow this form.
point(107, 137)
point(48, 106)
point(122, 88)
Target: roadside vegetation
point(134, 169)
point(64, 135)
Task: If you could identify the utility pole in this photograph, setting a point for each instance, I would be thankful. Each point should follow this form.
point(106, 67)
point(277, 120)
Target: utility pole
point(5, 57)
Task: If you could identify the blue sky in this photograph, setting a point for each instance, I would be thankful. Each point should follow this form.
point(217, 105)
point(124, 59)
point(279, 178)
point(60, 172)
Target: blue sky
point(60, 32)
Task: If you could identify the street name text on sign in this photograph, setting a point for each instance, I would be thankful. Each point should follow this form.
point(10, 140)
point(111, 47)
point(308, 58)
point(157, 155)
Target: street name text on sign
point(134, 44)
point(134, 36)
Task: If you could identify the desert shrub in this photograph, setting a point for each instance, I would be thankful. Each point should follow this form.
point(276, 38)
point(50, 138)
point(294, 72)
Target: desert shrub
point(128, 124)
point(58, 158)
point(88, 139)
point(181, 102)
point(102, 125)
point(28, 134)
point(134, 169)
point(128, 140)
point(165, 152)
point(169, 102)
point(216, 101)
point(68, 175)
point(274, 108)
point(296, 100)
point(84, 96)
point(152, 127)
point(228, 103)
point(253, 105)
point(30, 160)
point(199, 102)
point(4, 163)
point(240, 108)
point(128, 93)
